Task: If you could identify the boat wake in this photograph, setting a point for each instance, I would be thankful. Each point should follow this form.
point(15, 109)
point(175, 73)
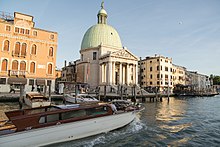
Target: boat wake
point(109, 138)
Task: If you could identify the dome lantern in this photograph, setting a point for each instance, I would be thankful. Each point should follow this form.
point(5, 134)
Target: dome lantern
point(101, 33)
point(102, 15)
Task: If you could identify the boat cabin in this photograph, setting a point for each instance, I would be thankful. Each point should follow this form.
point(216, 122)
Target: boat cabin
point(55, 115)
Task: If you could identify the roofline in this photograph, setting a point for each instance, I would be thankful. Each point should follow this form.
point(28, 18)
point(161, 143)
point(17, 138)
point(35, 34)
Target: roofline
point(24, 14)
point(45, 30)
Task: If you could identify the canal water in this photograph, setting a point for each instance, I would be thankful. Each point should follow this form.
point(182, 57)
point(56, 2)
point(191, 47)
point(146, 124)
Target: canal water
point(182, 121)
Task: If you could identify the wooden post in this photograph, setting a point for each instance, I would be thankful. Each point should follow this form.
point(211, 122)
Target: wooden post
point(105, 93)
point(22, 94)
point(76, 93)
point(121, 92)
point(45, 90)
point(134, 93)
point(50, 92)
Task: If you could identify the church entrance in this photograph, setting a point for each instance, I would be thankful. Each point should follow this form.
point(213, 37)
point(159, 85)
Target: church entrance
point(116, 78)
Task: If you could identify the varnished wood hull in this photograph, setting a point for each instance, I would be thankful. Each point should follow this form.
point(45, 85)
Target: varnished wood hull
point(68, 131)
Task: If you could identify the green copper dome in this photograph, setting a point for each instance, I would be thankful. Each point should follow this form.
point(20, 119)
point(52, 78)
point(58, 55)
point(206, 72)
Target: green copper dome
point(101, 33)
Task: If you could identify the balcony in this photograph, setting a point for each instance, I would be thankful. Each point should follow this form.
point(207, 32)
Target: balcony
point(19, 54)
point(17, 73)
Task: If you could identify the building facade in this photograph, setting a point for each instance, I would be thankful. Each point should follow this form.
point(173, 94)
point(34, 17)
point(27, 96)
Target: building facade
point(28, 54)
point(104, 61)
point(179, 75)
point(156, 72)
point(198, 83)
point(68, 72)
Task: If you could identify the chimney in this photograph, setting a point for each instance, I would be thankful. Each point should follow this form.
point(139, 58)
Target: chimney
point(65, 63)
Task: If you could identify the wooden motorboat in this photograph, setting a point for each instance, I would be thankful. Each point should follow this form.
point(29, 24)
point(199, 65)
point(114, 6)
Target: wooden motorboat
point(35, 99)
point(53, 124)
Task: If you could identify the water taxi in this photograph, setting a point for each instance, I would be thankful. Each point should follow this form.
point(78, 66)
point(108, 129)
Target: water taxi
point(52, 124)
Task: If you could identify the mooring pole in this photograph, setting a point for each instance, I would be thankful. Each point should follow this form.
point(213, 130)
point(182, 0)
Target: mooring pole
point(122, 92)
point(134, 93)
point(22, 94)
point(105, 93)
point(50, 92)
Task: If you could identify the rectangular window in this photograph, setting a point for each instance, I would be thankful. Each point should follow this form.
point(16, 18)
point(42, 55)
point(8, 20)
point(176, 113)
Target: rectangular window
point(151, 68)
point(8, 28)
point(48, 82)
point(75, 114)
point(22, 31)
point(151, 83)
point(166, 68)
point(16, 30)
point(35, 33)
point(151, 76)
point(158, 68)
point(158, 76)
point(158, 82)
point(3, 81)
point(31, 81)
point(27, 32)
point(94, 55)
point(82, 57)
point(49, 118)
point(161, 68)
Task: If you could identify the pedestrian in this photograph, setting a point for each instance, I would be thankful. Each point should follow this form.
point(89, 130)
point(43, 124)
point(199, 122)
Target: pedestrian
point(32, 88)
point(12, 89)
point(38, 88)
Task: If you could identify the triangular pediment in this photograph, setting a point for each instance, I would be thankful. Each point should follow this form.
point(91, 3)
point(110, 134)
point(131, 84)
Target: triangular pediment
point(123, 53)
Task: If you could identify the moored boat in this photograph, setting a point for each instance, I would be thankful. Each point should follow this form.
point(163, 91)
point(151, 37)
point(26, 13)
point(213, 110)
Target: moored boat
point(61, 123)
point(35, 99)
point(80, 98)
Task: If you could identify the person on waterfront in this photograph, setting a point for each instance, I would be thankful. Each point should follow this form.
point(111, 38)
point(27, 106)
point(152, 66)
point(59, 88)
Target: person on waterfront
point(38, 88)
point(32, 88)
point(12, 89)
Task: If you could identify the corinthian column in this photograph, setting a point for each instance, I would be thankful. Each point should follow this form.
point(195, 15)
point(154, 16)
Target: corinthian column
point(113, 73)
point(120, 73)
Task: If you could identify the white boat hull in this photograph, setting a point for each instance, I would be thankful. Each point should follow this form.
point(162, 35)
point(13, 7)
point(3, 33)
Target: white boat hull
point(68, 131)
point(72, 99)
point(37, 103)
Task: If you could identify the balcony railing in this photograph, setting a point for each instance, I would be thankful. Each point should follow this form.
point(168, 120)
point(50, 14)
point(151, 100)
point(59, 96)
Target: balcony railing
point(19, 54)
point(17, 73)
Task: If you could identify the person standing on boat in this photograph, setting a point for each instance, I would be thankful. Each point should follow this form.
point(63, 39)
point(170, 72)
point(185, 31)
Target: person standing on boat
point(114, 109)
point(12, 88)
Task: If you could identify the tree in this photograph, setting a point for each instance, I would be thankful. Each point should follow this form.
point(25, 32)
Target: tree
point(216, 79)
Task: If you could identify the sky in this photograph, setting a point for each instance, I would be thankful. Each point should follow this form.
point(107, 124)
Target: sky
point(188, 31)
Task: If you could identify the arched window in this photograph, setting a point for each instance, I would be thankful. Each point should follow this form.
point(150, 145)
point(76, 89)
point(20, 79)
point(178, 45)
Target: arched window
point(17, 48)
point(32, 68)
point(51, 52)
point(6, 45)
point(15, 65)
point(22, 66)
point(4, 65)
point(34, 49)
point(49, 69)
point(23, 49)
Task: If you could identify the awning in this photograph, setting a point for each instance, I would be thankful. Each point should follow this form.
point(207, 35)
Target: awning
point(40, 82)
point(17, 81)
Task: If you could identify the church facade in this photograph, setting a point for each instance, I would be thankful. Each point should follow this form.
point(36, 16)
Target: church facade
point(104, 61)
